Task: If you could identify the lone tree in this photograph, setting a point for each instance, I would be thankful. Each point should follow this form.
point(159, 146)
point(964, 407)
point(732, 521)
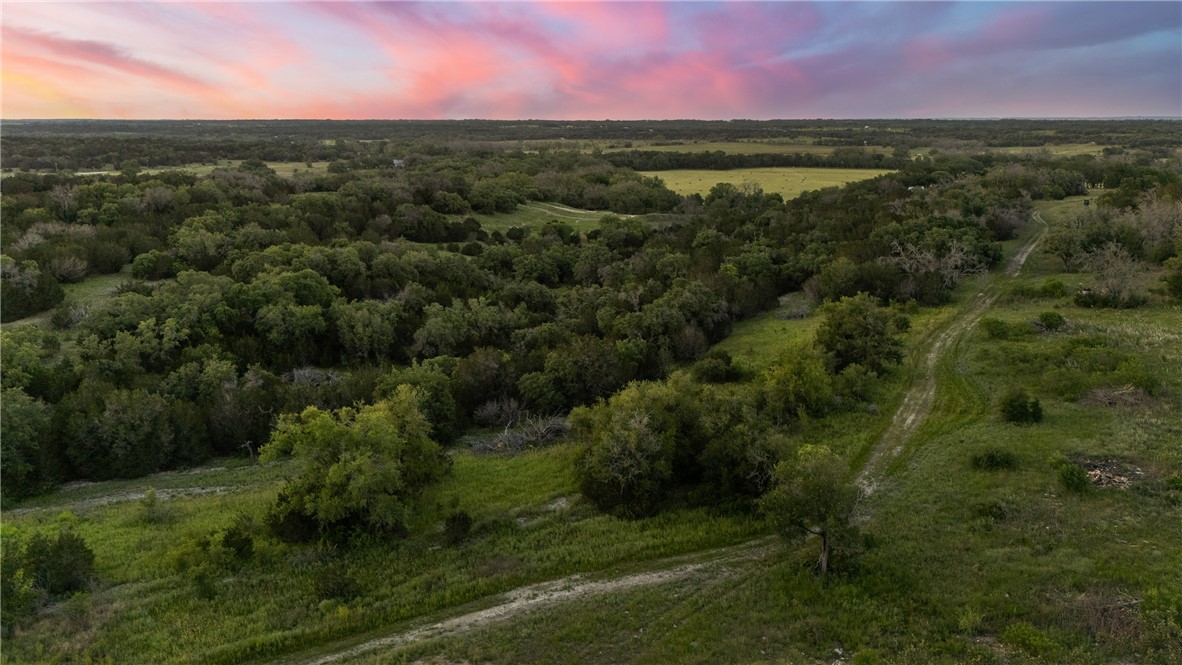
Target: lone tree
point(856, 330)
point(813, 496)
point(357, 468)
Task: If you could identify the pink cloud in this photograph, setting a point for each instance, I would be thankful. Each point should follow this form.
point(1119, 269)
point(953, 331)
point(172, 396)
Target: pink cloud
point(98, 53)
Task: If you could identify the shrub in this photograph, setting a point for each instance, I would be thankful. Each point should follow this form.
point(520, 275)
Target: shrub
point(857, 330)
point(154, 264)
point(1053, 288)
point(715, 367)
point(1108, 300)
point(362, 468)
point(106, 257)
point(998, 329)
point(58, 565)
point(1074, 478)
point(1051, 321)
point(1031, 640)
point(1018, 407)
point(797, 385)
point(237, 539)
point(994, 459)
point(457, 527)
point(151, 510)
point(68, 314)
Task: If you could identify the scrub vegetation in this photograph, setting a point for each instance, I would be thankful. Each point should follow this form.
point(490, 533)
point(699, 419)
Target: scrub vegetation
point(468, 395)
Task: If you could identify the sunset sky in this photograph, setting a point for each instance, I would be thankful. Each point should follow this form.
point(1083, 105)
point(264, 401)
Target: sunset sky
point(590, 60)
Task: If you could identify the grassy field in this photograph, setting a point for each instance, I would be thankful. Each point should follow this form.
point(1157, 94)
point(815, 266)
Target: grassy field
point(740, 147)
point(789, 182)
point(89, 291)
point(536, 213)
point(1058, 150)
point(284, 169)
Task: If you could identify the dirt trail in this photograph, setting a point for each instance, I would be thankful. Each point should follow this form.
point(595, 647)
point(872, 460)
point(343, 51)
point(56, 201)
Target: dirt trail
point(537, 596)
point(917, 403)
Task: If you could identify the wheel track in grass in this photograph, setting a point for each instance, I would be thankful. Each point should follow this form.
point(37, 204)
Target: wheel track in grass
point(713, 564)
point(917, 402)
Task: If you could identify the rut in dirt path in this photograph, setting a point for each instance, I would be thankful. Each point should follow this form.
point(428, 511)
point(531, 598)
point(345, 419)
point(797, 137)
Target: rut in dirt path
point(917, 403)
point(514, 603)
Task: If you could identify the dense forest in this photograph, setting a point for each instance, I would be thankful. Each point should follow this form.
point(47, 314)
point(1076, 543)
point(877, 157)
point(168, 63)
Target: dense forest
point(360, 313)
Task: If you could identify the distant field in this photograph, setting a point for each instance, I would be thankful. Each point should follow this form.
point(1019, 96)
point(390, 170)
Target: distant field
point(285, 169)
point(1063, 150)
point(790, 182)
point(741, 147)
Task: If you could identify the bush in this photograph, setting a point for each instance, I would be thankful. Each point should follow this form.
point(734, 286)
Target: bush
point(106, 257)
point(854, 383)
point(1051, 321)
point(715, 367)
point(362, 468)
point(457, 527)
point(995, 459)
point(1018, 407)
point(1031, 640)
point(636, 443)
point(1074, 478)
point(68, 314)
point(1053, 288)
point(998, 329)
point(1108, 300)
point(154, 265)
point(59, 565)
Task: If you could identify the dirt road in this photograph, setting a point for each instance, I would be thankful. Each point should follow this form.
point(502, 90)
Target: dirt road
point(917, 403)
point(514, 603)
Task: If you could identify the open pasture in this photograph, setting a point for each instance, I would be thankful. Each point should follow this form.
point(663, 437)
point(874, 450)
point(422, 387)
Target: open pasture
point(737, 147)
point(789, 182)
point(536, 213)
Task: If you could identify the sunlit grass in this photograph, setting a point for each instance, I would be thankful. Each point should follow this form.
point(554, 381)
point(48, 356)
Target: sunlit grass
point(786, 181)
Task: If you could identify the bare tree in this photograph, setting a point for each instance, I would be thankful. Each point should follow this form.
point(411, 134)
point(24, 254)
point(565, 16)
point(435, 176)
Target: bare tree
point(1115, 269)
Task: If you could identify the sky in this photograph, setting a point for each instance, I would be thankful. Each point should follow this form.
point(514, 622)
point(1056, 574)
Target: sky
point(589, 60)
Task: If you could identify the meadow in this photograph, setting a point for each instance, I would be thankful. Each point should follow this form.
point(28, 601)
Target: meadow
point(788, 182)
point(736, 147)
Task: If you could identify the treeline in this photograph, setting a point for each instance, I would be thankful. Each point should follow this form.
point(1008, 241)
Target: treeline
point(257, 295)
point(107, 144)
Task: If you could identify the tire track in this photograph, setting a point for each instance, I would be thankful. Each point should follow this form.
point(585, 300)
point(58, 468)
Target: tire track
point(917, 403)
point(522, 600)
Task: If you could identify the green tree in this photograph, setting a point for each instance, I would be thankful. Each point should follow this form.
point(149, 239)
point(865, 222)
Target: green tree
point(357, 468)
point(639, 445)
point(118, 434)
point(24, 426)
point(856, 330)
point(797, 385)
point(813, 495)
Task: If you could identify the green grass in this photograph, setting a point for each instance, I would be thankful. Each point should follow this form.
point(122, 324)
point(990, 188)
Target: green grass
point(284, 169)
point(90, 291)
point(1057, 149)
point(537, 213)
point(752, 147)
point(789, 182)
point(147, 612)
